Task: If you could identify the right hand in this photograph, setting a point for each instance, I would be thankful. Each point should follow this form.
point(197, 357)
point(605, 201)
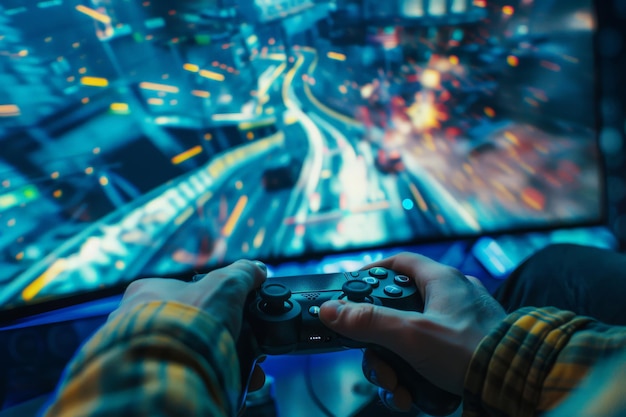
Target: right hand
point(438, 342)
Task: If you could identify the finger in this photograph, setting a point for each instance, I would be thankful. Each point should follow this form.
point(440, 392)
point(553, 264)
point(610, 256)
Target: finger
point(240, 278)
point(378, 372)
point(257, 380)
point(369, 323)
point(476, 282)
point(397, 400)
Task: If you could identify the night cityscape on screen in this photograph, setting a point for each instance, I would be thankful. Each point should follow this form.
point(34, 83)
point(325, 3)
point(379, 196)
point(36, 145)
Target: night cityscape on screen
point(154, 138)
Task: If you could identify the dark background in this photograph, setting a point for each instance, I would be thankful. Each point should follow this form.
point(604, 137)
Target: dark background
point(612, 86)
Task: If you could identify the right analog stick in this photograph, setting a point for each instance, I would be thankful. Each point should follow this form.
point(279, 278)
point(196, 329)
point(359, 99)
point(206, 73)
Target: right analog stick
point(356, 290)
point(274, 298)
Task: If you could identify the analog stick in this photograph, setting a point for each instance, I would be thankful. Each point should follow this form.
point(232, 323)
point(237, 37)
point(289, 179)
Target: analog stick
point(356, 290)
point(274, 299)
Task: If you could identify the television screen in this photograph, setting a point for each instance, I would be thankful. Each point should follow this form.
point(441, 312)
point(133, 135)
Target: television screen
point(158, 138)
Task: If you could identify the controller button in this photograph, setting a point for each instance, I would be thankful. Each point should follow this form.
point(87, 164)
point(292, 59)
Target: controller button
point(372, 281)
point(402, 280)
point(314, 311)
point(393, 291)
point(378, 272)
point(355, 274)
point(274, 298)
point(356, 290)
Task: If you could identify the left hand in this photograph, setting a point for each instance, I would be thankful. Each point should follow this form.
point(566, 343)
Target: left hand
point(221, 293)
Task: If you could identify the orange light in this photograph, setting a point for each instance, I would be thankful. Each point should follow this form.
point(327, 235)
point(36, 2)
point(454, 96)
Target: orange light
point(119, 107)
point(508, 10)
point(9, 110)
point(40, 282)
point(512, 60)
point(100, 17)
point(490, 112)
point(212, 75)
point(200, 93)
point(228, 228)
point(336, 56)
point(94, 81)
point(534, 198)
point(190, 153)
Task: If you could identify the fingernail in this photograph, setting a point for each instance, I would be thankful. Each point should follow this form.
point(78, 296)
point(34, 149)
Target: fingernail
point(261, 265)
point(197, 277)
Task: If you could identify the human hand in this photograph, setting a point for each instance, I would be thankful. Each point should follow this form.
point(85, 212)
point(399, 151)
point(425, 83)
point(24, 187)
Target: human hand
point(438, 343)
point(221, 293)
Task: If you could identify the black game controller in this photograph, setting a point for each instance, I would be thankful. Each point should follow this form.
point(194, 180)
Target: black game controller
point(282, 318)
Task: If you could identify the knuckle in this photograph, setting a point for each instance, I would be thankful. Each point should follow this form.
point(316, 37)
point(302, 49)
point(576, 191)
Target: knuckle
point(362, 316)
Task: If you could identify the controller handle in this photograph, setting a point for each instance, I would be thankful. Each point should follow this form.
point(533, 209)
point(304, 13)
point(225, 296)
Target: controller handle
point(427, 397)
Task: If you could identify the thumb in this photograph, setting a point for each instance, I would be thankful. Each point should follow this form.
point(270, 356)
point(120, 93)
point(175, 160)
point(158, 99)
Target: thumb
point(366, 322)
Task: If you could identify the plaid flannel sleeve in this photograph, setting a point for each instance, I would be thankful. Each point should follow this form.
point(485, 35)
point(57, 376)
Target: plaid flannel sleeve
point(538, 358)
point(161, 359)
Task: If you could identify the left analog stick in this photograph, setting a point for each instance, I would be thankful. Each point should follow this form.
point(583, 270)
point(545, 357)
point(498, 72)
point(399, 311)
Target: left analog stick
point(274, 298)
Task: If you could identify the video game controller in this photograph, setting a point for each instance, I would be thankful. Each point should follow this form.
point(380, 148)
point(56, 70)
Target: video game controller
point(282, 318)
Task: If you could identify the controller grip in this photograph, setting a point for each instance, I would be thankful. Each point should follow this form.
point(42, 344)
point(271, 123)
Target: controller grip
point(427, 397)
point(248, 352)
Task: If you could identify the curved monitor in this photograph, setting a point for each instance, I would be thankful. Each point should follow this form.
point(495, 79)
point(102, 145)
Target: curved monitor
point(151, 139)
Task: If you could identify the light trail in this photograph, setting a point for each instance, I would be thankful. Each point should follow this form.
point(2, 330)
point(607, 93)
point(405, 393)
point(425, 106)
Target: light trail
point(188, 154)
point(228, 228)
point(332, 113)
point(100, 17)
point(44, 279)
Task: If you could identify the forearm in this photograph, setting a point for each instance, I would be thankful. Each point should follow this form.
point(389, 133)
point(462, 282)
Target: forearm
point(534, 360)
point(159, 360)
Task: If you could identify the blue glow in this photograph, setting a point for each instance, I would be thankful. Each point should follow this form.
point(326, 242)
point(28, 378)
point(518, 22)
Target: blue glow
point(408, 204)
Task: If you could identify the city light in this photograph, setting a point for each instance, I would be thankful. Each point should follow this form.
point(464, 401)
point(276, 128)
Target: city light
point(94, 81)
point(336, 56)
point(8, 110)
point(188, 154)
point(159, 87)
point(212, 75)
point(191, 67)
point(102, 18)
